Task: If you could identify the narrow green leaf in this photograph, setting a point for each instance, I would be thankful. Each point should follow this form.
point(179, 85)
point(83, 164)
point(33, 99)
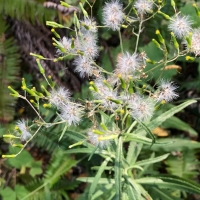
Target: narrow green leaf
point(148, 131)
point(97, 177)
point(155, 123)
point(134, 186)
point(171, 182)
point(162, 194)
point(63, 132)
point(89, 151)
point(160, 119)
point(101, 180)
point(141, 139)
point(176, 123)
point(152, 160)
point(177, 145)
point(118, 174)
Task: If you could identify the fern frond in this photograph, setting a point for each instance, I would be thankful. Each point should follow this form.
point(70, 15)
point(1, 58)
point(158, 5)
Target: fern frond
point(59, 165)
point(27, 10)
point(9, 71)
point(188, 165)
point(49, 184)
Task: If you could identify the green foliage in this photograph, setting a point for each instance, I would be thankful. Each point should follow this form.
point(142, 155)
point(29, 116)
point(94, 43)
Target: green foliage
point(9, 65)
point(26, 10)
point(52, 184)
point(131, 164)
point(187, 165)
point(122, 179)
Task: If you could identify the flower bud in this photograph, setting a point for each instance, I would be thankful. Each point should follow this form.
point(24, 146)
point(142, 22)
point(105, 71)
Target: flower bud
point(94, 86)
point(164, 15)
point(83, 10)
point(107, 84)
point(23, 84)
point(103, 126)
point(150, 61)
point(40, 66)
point(37, 56)
point(9, 156)
point(173, 4)
point(18, 145)
point(54, 24)
point(55, 33)
point(10, 136)
point(123, 84)
point(197, 10)
point(72, 44)
point(130, 87)
point(156, 43)
point(34, 103)
point(15, 93)
point(161, 40)
point(47, 93)
point(189, 40)
point(76, 144)
point(115, 101)
point(176, 45)
point(189, 58)
point(108, 137)
point(65, 4)
point(47, 105)
point(76, 21)
point(98, 132)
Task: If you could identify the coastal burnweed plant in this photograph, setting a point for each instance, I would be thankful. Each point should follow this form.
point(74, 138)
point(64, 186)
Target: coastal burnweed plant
point(122, 107)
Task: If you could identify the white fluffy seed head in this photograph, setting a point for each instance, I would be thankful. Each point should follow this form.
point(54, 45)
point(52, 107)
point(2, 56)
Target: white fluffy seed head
point(141, 108)
point(143, 6)
point(84, 66)
point(166, 91)
point(195, 42)
point(104, 93)
point(113, 15)
point(127, 64)
point(71, 113)
point(90, 23)
point(180, 26)
point(25, 134)
point(59, 97)
point(66, 44)
point(87, 43)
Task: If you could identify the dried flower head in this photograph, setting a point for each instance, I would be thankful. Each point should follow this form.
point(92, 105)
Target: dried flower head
point(25, 134)
point(143, 6)
point(113, 15)
point(166, 91)
point(180, 25)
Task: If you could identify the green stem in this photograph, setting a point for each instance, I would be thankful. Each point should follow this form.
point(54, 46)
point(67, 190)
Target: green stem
point(138, 36)
point(121, 44)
